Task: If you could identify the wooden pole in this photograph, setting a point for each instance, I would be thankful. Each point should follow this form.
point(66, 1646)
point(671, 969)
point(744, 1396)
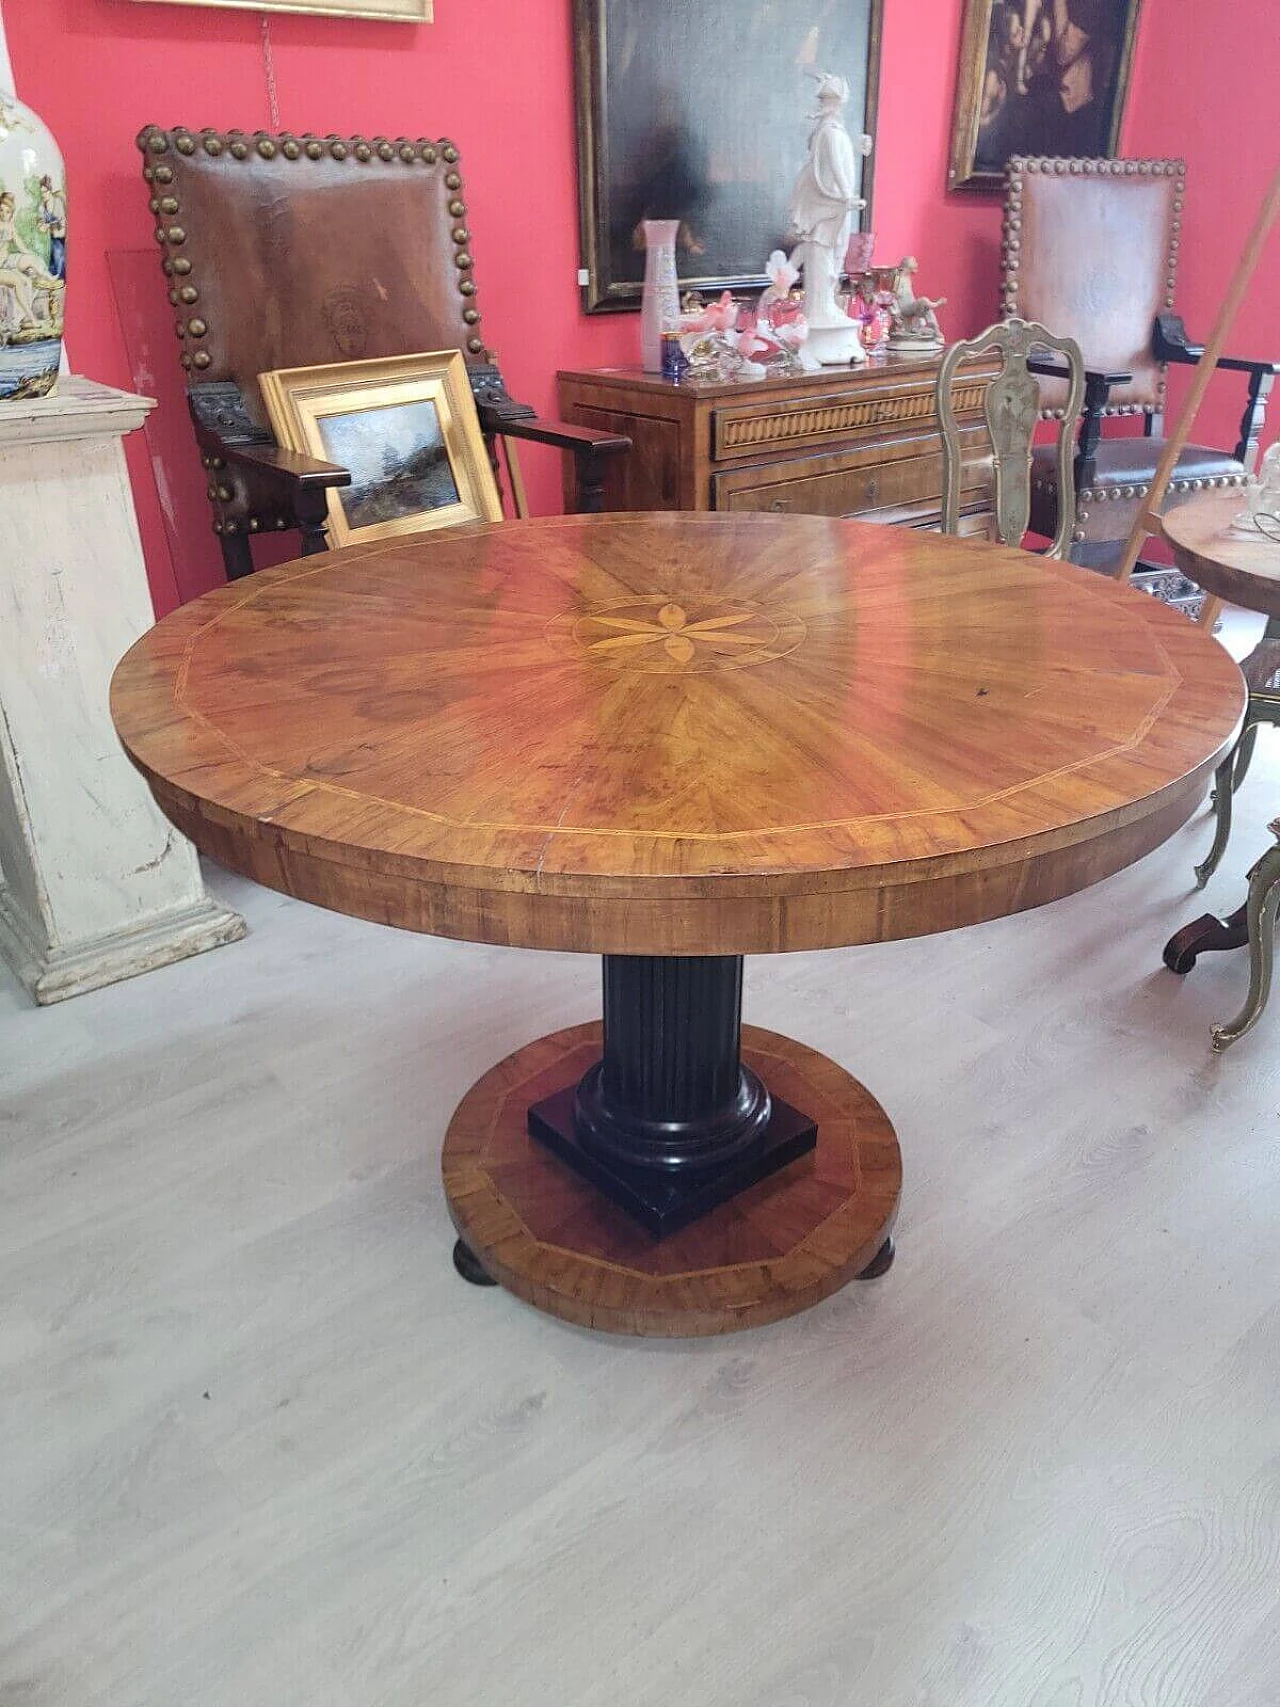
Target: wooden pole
point(1148, 521)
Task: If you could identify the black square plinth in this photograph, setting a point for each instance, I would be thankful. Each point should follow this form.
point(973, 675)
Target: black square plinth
point(665, 1202)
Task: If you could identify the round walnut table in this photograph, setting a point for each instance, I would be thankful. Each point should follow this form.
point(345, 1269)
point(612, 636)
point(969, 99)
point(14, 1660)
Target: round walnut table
point(675, 740)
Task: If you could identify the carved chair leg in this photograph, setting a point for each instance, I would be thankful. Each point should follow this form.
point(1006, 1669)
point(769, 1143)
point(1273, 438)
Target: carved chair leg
point(311, 512)
point(1244, 754)
point(589, 469)
point(1264, 899)
point(1221, 803)
point(237, 558)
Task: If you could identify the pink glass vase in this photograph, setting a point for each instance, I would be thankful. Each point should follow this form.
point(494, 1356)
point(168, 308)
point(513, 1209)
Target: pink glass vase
point(660, 301)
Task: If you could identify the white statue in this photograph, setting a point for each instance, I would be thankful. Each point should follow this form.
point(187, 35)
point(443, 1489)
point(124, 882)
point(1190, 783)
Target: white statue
point(823, 204)
point(914, 318)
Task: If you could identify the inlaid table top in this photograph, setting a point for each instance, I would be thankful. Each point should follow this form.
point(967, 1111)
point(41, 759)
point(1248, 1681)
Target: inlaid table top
point(677, 734)
point(1235, 563)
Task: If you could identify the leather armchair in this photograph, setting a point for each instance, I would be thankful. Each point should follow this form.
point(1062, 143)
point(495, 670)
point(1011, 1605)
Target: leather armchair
point(289, 251)
point(1091, 249)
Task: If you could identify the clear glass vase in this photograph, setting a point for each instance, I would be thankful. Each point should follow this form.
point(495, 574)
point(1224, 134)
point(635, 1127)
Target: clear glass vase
point(33, 253)
point(660, 303)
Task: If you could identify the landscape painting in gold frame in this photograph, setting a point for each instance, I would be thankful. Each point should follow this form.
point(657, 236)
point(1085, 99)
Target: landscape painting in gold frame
point(405, 426)
point(392, 11)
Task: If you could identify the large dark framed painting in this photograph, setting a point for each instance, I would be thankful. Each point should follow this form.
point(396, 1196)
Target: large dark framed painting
point(699, 110)
point(1039, 77)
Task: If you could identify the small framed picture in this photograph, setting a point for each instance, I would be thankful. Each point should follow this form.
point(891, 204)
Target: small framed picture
point(405, 426)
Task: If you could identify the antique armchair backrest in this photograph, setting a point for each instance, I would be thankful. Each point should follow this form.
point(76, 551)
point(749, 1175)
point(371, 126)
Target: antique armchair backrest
point(289, 251)
point(1012, 406)
point(1091, 249)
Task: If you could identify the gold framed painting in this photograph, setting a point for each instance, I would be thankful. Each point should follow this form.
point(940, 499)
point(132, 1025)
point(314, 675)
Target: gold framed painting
point(405, 426)
point(393, 11)
point(1039, 77)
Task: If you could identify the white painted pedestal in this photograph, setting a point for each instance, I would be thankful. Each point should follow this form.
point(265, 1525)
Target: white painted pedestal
point(95, 885)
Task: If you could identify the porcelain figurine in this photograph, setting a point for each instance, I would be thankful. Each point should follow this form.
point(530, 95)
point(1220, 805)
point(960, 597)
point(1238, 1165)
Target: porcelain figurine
point(823, 204)
point(33, 253)
point(914, 318)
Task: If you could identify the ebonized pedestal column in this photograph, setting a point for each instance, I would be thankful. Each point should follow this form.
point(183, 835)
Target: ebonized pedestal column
point(670, 1123)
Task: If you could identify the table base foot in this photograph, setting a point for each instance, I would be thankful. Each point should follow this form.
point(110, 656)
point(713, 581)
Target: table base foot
point(881, 1263)
point(468, 1265)
point(541, 1230)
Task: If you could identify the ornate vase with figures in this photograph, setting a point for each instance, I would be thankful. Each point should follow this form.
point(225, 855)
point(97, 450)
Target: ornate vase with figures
point(33, 253)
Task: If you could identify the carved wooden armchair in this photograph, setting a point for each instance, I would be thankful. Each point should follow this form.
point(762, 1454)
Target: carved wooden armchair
point(1091, 249)
point(290, 251)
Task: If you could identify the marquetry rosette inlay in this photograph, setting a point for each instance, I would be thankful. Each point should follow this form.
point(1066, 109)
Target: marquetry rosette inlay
point(666, 637)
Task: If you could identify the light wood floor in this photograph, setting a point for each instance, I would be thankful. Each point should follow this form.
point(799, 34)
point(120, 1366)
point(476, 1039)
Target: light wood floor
point(259, 1447)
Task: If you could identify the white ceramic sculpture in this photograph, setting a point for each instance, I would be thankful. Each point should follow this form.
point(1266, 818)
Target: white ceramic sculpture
point(914, 318)
point(823, 204)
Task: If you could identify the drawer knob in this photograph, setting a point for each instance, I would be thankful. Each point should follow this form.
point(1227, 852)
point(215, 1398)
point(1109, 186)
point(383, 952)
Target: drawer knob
point(873, 486)
point(778, 504)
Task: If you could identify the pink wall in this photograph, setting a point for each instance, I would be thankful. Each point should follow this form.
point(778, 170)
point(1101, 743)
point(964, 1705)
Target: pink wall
point(498, 79)
point(1207, 91)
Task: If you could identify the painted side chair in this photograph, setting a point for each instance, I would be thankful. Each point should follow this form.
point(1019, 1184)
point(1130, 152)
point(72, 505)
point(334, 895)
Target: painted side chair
point(1012, 410)
point(284, 251)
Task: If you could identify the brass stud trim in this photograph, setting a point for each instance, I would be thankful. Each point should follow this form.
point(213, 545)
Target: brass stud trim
point(185, 144)
point(181, 265)
point(239, 150)
point(475, 345)
point(453, 181)
point(266, 148)
point(158, 142)
point(457, 208)
point(197, 328)
point(449, 153)
point(338, 150)
point(363, 152)
point(202, 359)
point(290, 149)
point(189, 294)
point(428, 154)
point(315, 151)
point(213, 145)
point(462, 259)
point(163, 174)
point(471, 316)
point(467, 287)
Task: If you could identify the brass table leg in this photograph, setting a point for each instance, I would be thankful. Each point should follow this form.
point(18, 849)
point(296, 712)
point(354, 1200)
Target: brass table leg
point(1223, 792)
point(1260, 911)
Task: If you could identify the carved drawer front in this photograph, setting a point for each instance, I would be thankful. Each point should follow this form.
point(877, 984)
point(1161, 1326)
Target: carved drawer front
point(757, 428)
point(907, 489)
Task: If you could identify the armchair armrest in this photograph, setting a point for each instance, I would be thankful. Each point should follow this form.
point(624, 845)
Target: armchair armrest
point(1169, 343)
point(1102, 378)
point(589, 446)
point(290, 465)
point(1097, 388)
point(561, 436)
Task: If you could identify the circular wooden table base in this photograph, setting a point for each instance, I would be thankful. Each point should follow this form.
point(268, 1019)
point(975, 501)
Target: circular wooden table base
point(775, 1249)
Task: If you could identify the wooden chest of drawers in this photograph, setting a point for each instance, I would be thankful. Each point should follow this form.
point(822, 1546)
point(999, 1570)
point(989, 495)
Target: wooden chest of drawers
point(844, 442)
